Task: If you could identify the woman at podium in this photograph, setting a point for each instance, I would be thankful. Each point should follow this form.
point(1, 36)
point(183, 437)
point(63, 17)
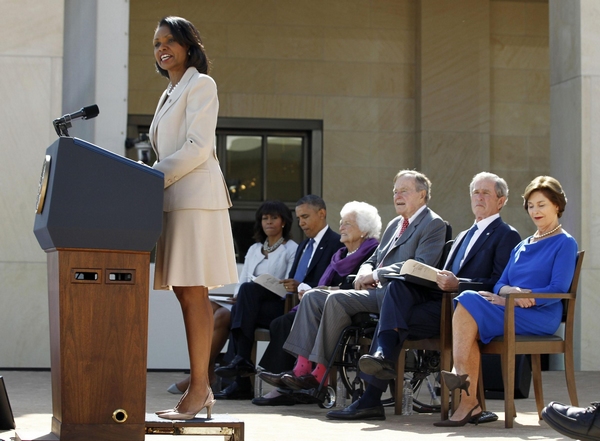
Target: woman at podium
point(195, 250)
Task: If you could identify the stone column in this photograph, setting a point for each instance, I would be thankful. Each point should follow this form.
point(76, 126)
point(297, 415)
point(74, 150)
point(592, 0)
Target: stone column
point(95, 70)
point(453, 100)
point(575, 147)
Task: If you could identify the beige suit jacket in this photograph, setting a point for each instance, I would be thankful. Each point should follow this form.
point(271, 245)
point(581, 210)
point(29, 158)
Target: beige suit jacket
point(182, 134)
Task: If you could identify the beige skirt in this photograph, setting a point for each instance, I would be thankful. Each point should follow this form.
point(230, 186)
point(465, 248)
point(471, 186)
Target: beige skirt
point(195, 248)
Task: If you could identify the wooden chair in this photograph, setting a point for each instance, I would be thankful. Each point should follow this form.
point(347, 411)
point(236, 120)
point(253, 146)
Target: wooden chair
point(510, 344)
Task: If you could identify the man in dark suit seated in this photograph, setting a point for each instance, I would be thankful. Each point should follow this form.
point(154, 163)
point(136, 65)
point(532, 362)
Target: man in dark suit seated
point(413, 311)
point(417, 233)
point(260, 306)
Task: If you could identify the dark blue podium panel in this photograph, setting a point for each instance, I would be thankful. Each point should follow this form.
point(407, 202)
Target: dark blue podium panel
point(96, 199)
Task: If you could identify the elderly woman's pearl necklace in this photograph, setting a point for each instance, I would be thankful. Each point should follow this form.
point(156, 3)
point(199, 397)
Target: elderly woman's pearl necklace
point(539, 236)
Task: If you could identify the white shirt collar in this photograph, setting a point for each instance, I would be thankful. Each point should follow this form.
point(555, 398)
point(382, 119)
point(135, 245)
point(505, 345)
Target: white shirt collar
point(414, 216)
point(319, 236)
point(484, 223)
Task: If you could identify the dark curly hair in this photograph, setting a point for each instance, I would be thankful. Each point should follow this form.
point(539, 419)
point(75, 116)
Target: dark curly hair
point(186, 34)
point(277, 208)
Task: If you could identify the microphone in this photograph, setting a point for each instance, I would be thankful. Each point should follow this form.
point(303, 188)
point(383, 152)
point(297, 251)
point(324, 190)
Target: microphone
point(64, 122)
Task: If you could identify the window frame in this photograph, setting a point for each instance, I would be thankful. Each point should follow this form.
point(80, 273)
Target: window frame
point(313, 154)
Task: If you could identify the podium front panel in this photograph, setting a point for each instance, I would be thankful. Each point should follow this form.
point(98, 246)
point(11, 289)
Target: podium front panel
point(96, 199)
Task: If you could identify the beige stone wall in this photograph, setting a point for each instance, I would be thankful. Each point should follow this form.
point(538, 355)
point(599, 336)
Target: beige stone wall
point(31, 66)
point(359, 66)
point(575, 142)
point(453, 114)
point(520, 99)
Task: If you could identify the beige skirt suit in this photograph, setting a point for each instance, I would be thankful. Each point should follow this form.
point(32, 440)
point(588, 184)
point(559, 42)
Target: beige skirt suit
point(196, 244)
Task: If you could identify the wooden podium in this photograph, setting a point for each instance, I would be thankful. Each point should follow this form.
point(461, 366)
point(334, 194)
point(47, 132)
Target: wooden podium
point(98, 218)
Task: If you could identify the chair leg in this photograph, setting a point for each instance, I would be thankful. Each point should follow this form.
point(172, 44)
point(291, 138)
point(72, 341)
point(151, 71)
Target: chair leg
point(480, 389)
point(253, 378)
point(508, 376)
point(445, 364)
point(570, 377)
point(536, 369)
point(399, 382)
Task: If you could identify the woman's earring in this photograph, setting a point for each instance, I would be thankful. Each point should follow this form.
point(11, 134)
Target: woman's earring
point(189, 52)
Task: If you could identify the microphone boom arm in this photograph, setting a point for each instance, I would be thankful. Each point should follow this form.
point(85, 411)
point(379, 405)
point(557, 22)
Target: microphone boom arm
point(64, 122)
point(61, 125)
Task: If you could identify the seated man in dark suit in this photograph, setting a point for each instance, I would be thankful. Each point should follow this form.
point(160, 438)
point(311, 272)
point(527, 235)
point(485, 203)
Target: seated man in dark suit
point(260, 306)
point(413, 311)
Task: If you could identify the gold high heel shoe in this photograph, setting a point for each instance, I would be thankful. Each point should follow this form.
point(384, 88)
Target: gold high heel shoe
point(454, 381)
point(175, 414)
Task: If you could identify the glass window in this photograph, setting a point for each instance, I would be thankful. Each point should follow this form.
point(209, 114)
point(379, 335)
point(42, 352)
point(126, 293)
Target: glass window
point(243, 171)
point(266, 167)
point(267, 159)
point(285, 168)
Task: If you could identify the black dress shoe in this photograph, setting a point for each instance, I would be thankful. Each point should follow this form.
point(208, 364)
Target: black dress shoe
point(273, 379)
point(307, 398)
point(236, 392)
point(302, 382)
point(353, 413)
point(281, 400)
point(238, 366)
point(378, 366)
point(574, 422)
point(485, 417)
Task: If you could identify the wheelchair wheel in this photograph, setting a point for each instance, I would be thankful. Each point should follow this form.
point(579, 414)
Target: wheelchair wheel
point(328, 398)
point(422, 370)
point(354, 345)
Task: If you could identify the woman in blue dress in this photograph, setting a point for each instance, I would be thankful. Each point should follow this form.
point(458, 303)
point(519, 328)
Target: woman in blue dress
point(542, 263)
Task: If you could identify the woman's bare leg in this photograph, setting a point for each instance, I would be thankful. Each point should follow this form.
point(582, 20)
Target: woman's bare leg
point(466, 355)
point(222, 323)
point(198, 321)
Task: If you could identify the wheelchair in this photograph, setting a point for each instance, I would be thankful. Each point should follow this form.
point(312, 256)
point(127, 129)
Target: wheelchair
point(422, 370)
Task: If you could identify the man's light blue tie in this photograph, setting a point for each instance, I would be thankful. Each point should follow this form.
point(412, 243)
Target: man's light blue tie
point(304, 260)
point(460, 254)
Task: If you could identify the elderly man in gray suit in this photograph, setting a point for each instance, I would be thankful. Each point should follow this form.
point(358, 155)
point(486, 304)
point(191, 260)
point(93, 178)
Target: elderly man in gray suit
point(417, 233)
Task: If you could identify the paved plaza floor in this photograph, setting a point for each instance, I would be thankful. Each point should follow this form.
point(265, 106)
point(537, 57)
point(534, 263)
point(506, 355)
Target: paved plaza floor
point(30, 396)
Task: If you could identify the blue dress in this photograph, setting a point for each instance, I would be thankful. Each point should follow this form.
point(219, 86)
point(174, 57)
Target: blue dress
point(544, 266)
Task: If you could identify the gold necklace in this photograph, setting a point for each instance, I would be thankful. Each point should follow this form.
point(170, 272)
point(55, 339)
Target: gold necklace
point(539, 236)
